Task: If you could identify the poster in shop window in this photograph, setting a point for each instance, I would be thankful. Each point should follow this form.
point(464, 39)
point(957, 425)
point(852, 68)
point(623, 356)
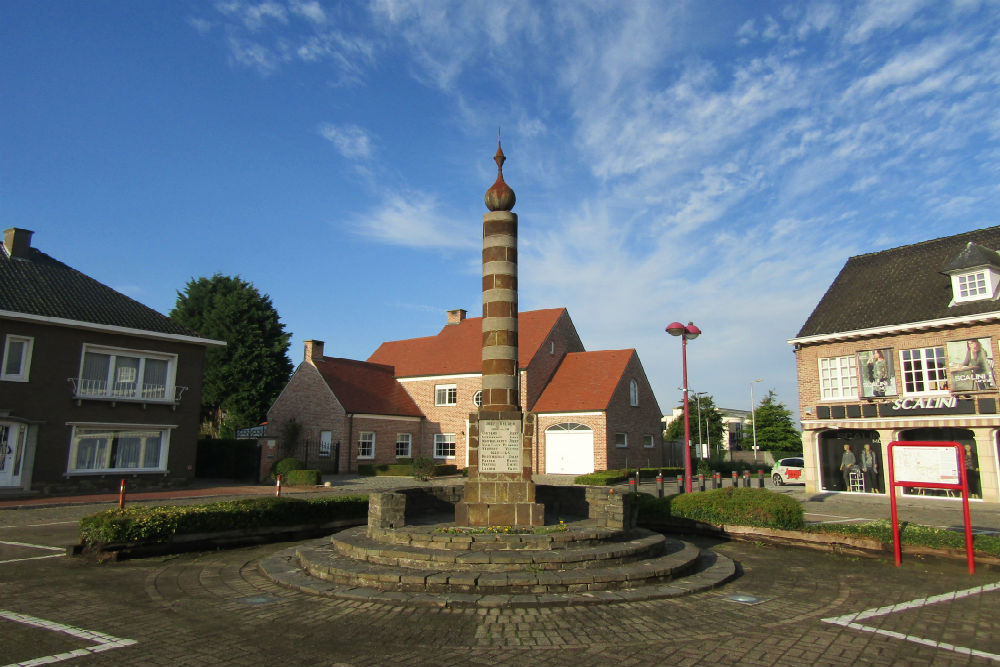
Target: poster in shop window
point(878, 373)
point(970, 364)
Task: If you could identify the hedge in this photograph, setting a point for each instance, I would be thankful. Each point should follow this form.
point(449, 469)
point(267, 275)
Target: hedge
point(301, 478)
point(602, 478)
point(728, 505)
point(401, 469)
point(145, 524)
point(913, 534)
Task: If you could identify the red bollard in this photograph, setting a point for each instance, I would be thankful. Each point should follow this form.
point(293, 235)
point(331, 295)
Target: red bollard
point(121, 495)
point(277, 486)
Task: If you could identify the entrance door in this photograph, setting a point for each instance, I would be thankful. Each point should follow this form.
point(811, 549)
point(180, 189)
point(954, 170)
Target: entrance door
point(569, 449)
point(12, 437)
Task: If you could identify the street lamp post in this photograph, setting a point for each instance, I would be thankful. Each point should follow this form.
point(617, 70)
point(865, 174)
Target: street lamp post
point(689, 332)
point(753, 418)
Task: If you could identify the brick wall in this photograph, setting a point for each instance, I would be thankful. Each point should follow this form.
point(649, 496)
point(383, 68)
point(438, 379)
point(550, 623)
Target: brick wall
point(445, 418)
point(386, 430)
point(543, 365)
point(308, 400)
point(636, 421)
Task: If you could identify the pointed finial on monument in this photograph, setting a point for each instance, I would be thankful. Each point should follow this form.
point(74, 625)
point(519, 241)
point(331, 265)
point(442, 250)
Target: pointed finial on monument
point(500, 197)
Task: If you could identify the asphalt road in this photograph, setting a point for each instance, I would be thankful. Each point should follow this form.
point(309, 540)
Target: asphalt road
point(788, 607)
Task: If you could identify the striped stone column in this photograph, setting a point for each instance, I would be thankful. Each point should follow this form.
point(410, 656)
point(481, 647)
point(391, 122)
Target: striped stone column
point(500, 392)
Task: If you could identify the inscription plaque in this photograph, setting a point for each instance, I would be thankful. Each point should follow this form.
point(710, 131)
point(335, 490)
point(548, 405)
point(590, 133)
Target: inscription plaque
point(500, 445)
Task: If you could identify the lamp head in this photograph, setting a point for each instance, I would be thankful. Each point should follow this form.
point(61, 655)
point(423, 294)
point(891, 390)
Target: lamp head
point(691, 331)
point(675, 328)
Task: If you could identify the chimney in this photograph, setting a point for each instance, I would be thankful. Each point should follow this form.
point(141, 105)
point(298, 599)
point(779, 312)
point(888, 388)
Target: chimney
point(456, 316)
point(314, 351)
point(17, 242)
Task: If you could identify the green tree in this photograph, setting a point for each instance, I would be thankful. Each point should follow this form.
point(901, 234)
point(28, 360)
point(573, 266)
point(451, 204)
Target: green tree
point(775, 428)
point(711, 422)
point(242, 379)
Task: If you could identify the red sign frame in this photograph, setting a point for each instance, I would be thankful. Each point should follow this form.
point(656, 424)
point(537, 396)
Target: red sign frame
point(962, 485)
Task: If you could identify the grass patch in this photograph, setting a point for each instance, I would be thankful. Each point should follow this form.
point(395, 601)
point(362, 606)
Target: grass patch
point(912, 534)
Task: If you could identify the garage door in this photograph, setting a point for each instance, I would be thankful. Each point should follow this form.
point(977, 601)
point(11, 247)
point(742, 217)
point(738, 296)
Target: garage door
point(569, 449)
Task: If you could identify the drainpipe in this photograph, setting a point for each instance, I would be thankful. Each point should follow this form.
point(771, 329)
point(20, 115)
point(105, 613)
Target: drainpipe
point(350, 438)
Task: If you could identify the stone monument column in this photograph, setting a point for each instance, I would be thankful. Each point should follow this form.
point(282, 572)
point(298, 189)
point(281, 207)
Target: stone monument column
point(499, 490)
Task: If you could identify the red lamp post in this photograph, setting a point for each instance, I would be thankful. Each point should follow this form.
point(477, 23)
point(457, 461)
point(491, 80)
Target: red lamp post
point(689, 332)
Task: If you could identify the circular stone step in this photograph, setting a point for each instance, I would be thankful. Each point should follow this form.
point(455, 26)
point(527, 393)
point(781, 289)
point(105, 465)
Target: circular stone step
point(354, 543)
point(706, 571)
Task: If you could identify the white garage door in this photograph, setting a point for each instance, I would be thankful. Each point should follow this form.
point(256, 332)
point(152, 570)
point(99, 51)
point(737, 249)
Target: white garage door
point(569, 449)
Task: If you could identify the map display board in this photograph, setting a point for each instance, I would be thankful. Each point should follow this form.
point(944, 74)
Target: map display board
point(932, 465)
point(500, 445)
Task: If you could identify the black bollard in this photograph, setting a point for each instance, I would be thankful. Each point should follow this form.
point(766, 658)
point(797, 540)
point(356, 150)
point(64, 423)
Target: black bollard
point(746, 479)
point(701, 482)
point(760, 479)
point(659, 485)
point(680, 483)
point(736, 480)
point(716, 480)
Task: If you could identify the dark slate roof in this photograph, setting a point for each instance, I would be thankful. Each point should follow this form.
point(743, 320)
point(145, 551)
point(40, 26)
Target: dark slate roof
point(362, 387)
point(37, 284)
point(972, 256)
point(899, 286)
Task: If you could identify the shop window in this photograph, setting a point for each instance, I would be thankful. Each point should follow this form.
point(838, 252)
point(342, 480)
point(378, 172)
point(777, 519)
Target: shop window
point(962, 436)
point(838, 377)
point(924, 370)
point(844, 464)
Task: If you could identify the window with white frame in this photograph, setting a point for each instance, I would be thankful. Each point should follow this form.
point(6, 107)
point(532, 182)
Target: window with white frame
point(445, 394)
point(325, 442)
point(16, 358)
point(972, 286)
point(633, 393)
point(12, 441)
point(477, 399)
point(444, 445)
point(126, 374)
point(924, 370)
point(403, 445)
point(366, 445)
point(621, 439)
point(117, 449)
point(648, 442)
point(838, 377)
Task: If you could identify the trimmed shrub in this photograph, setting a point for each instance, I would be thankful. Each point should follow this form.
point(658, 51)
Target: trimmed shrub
point(602, 478)
point(423, 468)
point(445, 469)
point(912, 534)
point(282, 466)
point(740, 506)
point(301, 478)
point(141, 523)
point(385, 469)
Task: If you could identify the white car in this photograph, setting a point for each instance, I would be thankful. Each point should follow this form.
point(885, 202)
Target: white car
point(787, 471)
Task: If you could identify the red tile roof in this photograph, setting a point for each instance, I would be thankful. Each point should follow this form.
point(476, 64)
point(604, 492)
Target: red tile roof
point(458, 347)
point(364, 388)
point(584, 381)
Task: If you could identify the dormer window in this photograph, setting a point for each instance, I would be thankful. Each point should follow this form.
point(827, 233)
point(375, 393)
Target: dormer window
point(975, 274)
point(971, 285)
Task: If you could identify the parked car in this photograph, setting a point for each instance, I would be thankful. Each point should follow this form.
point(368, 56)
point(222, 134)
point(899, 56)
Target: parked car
point(787, 471)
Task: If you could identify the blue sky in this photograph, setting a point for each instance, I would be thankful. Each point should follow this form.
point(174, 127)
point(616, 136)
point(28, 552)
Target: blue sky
point(707, 161)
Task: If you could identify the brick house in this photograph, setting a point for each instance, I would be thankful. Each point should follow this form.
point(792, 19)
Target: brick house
point(595, 409)
point(94, 386)
point(902, 347)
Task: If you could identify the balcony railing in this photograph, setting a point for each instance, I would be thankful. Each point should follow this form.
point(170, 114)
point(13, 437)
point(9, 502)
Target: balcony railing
point(100, 390)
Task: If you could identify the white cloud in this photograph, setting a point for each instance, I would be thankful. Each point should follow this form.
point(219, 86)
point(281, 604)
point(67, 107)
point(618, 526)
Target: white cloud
point(351, 141)
point(414, 219)
point(310, 10)
point(879, 15)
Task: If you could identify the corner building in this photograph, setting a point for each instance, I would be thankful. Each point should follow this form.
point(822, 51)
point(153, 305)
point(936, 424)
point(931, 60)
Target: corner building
point(902, 347)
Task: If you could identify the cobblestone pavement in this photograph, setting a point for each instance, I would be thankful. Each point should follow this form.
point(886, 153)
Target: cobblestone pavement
point(215, 608)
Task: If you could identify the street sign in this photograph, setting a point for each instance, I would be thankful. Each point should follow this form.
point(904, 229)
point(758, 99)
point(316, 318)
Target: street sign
point(251, 433)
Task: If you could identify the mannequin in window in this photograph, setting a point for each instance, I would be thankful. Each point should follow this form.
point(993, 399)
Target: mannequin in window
point(869, 469)
point(972, 471)
point(847, 463)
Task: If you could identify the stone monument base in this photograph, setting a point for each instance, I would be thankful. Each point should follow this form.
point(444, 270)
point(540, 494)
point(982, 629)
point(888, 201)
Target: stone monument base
point(500, 491)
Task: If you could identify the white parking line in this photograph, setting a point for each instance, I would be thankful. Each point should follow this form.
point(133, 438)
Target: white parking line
point(103, 642)
point(33, 546)
point(850, 620)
